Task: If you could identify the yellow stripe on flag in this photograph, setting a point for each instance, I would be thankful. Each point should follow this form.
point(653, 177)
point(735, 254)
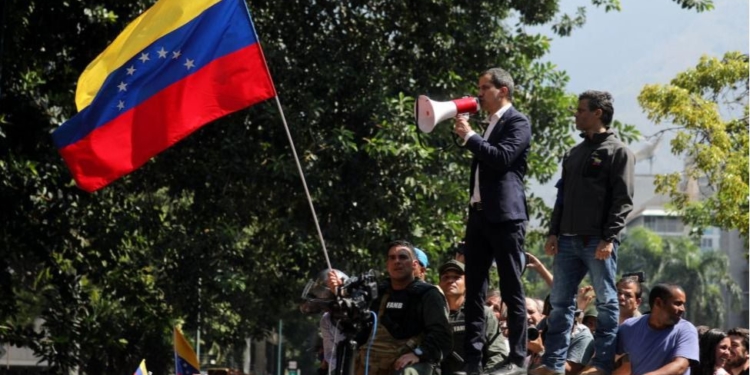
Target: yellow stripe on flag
point(142, 368)
point(183, 349)
point(162, 18)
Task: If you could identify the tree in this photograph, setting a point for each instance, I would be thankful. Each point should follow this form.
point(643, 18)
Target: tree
point(702, 274)
point(708, 106)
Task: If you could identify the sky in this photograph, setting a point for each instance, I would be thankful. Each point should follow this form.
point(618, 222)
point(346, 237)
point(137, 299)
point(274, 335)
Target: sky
point(648, 42)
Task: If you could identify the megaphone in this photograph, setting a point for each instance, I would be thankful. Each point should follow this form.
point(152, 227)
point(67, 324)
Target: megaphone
point(429, 112)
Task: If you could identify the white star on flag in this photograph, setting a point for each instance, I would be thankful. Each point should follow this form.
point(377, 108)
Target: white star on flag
point(189, 64)
point(131, 70)
point(144, 57)
point(176, 54)
point(121, 105)
point(162, 53)
point(122, 86)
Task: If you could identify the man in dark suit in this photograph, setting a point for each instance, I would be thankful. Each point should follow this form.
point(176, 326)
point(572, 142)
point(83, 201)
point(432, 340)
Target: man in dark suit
point(497, 218)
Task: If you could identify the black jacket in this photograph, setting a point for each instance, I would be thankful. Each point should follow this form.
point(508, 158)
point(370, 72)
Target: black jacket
point(597, 188)
point(420, 309)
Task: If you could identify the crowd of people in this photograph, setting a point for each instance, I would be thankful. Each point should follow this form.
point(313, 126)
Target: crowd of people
point(464, 326)
point(420, 328)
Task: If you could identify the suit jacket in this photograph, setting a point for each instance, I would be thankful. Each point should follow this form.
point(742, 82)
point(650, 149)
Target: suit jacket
point(502, 167)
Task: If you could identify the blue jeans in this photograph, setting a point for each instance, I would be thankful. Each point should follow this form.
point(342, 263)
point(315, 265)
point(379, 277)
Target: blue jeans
point(575, 257)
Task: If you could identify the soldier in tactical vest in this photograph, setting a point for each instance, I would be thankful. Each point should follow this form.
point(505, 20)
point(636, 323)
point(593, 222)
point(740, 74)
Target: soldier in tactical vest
point(495, 348)
point(412, 335)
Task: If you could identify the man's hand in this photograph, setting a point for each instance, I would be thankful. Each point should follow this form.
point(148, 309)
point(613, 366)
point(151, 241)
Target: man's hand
point(584, 297)
point(405, 360)
point(461, 127)
point(533, 261)
point(536, 346)
point(603, 250)
point(551, 246)
point(333, 281)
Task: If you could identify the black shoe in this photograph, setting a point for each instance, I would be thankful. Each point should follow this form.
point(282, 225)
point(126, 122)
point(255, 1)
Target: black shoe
point(470, 370)
point(509, 368)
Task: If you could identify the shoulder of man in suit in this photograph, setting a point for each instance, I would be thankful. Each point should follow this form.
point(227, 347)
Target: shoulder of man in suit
point(513, 113)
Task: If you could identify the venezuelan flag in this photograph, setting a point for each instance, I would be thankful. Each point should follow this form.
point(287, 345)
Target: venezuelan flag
point(185, 360)
point(141, 369)
point(178, 66)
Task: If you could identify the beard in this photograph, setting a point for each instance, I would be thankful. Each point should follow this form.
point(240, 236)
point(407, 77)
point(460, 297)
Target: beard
point(736, 362)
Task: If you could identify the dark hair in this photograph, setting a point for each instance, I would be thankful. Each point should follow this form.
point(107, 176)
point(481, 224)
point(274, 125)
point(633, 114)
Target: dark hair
point(701, 330)
point(634, 281)
point(739, 331)
point(707, 344)
point(600, 100)
point(405, 244)
point(501, 78)
point(661, 291)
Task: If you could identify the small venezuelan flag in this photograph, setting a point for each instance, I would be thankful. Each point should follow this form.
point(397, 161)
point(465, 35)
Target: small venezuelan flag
point(141, 369)
point(185, 360)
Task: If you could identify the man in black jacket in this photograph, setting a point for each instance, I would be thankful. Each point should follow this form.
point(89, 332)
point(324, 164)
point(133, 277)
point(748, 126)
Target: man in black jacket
point(597, 196)
point(497, 218)
point(412, 335)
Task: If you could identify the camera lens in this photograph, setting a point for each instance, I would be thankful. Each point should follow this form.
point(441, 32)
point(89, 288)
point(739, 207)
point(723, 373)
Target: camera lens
point(532, 333)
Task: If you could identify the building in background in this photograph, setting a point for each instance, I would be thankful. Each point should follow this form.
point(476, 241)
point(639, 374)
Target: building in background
point(21, 361)
point(650, 210)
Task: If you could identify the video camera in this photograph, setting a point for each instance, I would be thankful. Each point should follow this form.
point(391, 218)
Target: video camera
point(351, 307)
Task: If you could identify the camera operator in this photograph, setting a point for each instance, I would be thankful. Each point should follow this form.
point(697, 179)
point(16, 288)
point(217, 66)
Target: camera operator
point(495, 349)
point(412, 334)
point(317, 299)
point(536, 322)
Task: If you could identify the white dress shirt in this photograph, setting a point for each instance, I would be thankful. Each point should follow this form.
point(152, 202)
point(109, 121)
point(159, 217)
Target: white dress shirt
point(494, 118)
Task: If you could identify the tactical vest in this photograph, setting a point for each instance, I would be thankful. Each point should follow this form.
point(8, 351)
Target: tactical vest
point(454, 362)
point(402, 316)
point(398, 330)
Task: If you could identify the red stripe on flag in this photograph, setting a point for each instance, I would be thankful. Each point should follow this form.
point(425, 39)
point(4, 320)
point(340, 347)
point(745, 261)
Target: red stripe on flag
point(226, 85)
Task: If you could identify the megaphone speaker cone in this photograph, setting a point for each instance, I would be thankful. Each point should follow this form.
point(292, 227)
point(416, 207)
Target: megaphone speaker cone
point(429, 112)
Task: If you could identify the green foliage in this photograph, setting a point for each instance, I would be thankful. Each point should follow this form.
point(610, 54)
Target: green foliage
point(627, 132)
point(709, 106)
point(702, 274)
point(698, 5)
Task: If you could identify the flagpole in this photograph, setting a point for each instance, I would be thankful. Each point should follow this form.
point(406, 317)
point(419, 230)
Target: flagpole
point(304, 183)
point(291, 143)
point(279, 351)
point(198, 333)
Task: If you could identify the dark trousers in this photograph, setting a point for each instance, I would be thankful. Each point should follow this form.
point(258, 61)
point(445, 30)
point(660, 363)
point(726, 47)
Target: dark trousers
point(502, 242)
